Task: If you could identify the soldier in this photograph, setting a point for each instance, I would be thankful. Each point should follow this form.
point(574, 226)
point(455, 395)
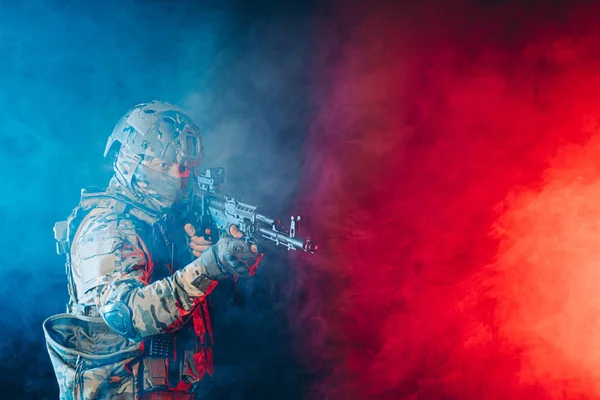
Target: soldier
point(137, 323)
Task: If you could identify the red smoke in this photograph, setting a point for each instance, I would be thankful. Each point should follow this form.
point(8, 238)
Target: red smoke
point(454, 177)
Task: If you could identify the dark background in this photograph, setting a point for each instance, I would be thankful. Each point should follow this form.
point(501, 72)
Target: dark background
point(444, 154)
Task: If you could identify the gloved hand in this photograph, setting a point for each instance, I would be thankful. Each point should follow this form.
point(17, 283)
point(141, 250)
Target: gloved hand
point(231, 257)
point(228, 257)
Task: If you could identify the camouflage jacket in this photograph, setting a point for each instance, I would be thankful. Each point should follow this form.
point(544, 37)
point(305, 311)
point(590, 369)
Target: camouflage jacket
point(118, 253)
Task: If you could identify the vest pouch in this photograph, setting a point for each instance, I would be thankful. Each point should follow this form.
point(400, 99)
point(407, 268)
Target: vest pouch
point(90, 360)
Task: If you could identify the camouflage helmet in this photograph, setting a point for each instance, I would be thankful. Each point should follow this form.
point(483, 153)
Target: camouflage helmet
point(160, 130)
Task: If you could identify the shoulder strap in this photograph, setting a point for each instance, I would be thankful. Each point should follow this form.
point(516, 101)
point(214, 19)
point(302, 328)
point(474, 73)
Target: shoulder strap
point(64, 231)
point(120, 204)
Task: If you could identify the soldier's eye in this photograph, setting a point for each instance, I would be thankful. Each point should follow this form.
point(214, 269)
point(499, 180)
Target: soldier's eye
point(185, 171)
point(164, 166)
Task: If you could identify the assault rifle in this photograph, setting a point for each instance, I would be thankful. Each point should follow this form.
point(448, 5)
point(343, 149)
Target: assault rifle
point(215, 213)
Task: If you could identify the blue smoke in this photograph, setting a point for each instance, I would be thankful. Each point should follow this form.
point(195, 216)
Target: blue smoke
point(68, 71)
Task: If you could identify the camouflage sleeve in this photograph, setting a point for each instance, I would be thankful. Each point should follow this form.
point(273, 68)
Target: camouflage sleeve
point(114, 267)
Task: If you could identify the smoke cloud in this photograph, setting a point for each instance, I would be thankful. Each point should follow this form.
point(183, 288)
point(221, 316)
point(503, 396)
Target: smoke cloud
point(454, 166)
point(444, 156)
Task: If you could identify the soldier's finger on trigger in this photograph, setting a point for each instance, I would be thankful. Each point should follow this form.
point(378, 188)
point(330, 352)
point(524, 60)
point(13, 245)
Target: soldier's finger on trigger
point(199, 247)
point(200, 240)
point(235, 232)
point(189, 229)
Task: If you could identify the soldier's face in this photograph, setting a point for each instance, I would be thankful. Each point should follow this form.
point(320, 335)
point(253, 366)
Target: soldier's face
point(175, 170)
point(161, 182)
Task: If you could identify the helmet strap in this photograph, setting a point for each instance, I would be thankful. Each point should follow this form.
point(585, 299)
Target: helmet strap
point(137, 159)
point(126, 176)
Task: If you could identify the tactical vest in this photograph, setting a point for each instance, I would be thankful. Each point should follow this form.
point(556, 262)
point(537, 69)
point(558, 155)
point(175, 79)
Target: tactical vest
point(82, 347)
